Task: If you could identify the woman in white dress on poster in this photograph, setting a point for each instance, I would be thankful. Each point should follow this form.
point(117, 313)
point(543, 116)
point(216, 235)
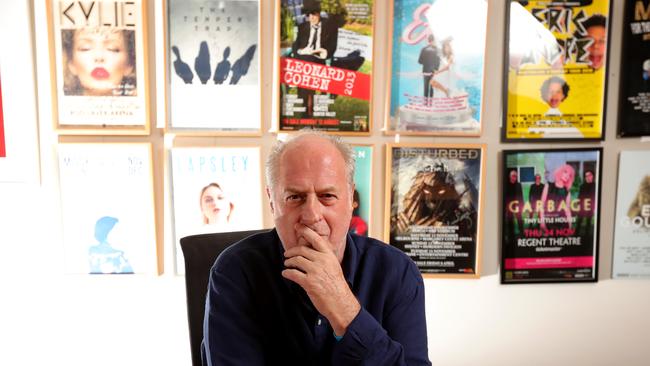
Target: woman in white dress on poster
point(442, 78)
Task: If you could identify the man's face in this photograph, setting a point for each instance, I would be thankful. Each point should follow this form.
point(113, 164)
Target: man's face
point(312, 190)
point(597, 48)
point(513, 177)
point(555, 94)
point(538, 179)
point(589, 177)
point(314, 18)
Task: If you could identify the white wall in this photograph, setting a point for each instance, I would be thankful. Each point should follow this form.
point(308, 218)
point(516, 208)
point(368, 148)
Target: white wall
point(50, 318)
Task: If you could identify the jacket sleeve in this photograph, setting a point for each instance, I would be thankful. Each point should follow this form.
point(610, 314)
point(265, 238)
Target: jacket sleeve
point(401, 339)
point(230, 333)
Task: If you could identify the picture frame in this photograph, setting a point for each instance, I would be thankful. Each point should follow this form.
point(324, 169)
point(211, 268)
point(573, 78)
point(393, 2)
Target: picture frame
point(434, 206)
point(325, 86)
point(550, 215)
point(99, 67)
point(555, 74)
point(436, 67)
point(108, 208)
point(634, 90)
point(221, 42)
point(214, 189)
point(361, 223)
point(631, 253)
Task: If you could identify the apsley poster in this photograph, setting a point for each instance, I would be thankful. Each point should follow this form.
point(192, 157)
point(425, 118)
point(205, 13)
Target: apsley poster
point(213, 59)
point(107, 205)
point(632, 229)
point(362, 195)
point(100, 65)
point(555, 70)
point(438, 54)
point(326, 59)
point(215, 189)
point(634, 105)
point(434, 207)
point(551, 206)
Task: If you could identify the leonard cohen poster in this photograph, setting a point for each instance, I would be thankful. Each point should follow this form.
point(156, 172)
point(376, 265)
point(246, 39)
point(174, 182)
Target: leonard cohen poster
point(107, 204)
point(214, 65)
point(215, 189)
point(434, 208)
point(556, 69)
point(634, 105)
point(326, 56)
point(438, 54)
point(100, 62)
point(550, 215)
point(632, 230)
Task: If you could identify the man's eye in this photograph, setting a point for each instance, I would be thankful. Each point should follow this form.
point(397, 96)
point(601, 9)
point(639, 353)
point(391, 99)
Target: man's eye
point(328, 196)
point(293, 197)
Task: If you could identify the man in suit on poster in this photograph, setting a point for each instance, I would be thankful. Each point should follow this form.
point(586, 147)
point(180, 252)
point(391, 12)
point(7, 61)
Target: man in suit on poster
point(430, 61)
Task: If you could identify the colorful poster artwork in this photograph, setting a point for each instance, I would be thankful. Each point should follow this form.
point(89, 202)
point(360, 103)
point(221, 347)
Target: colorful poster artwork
point(100, 63)
point(438, 53)
point(632, 230)
point(326, 55)
point(556, 70)
point(107, 208)
point(214, 65)
point(435, 205)
point(550, 215)
point(360, 223)
point(3, 148)
point(634, 91)
point(215, 189)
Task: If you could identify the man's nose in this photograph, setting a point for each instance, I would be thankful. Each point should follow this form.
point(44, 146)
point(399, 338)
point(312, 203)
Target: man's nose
point(311, 211)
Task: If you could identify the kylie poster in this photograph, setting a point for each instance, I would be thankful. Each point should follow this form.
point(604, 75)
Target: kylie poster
point(551, 209)
point(214, 65)
point(438, 54)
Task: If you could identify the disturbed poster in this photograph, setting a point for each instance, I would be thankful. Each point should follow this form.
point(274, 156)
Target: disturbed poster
point(213, 60)
point(556, 70)
point(326, 63)
point(434, 206)
point(438, 53)
point(550, 215)
point(634, 106)
point(100, 63)
point(632, 230)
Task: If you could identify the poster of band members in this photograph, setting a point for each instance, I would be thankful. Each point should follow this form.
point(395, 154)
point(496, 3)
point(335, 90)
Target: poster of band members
point(634, 93)
point(213, 60)
point(100, 84)
point(107, 205)
point(555, 70)
point(632, 230)
point(360, 223)
point(434, 206)
point(438, 53)
point(215, 189)
point(550, 215)
point(326, 59)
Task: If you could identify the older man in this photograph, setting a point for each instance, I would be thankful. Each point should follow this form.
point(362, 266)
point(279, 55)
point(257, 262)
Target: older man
point(307, 292)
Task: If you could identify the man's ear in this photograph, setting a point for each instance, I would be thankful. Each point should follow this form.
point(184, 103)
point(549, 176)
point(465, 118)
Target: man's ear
point(268, 194)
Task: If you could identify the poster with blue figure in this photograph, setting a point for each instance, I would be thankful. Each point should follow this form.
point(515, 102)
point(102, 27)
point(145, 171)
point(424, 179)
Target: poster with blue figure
point(213, 66)
point(437, 67)
point(108, 215)
point(362, 195)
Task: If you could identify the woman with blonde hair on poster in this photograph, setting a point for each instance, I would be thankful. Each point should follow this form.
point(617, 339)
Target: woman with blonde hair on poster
point(556, 200)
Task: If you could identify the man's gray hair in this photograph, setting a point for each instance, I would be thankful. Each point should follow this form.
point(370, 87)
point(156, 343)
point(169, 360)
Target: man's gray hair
point(273, 160)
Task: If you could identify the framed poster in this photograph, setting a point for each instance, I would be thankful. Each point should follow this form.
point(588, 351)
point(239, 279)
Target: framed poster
point(434, 206)
point(99, 67)
point(634, 91)
point(362, 197)
point(214, 189)
point(213, 67)
point(107, 206)
point(437, 66)
point(631, 257)
point(555, 70)
point(551, 211)
point(326, 65)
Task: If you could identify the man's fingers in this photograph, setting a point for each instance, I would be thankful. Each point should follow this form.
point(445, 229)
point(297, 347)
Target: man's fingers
point(316, 241)
point(295, 276)
point(301, 263)
point(303, 251)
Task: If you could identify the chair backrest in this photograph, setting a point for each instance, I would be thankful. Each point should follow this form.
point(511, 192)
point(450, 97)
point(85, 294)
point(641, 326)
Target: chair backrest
point(200, 252)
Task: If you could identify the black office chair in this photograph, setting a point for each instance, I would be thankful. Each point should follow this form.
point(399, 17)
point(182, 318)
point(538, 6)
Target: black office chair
point(200, 252)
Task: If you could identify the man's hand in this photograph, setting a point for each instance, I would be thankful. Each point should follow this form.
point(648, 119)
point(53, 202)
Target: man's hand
point(316, 269)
